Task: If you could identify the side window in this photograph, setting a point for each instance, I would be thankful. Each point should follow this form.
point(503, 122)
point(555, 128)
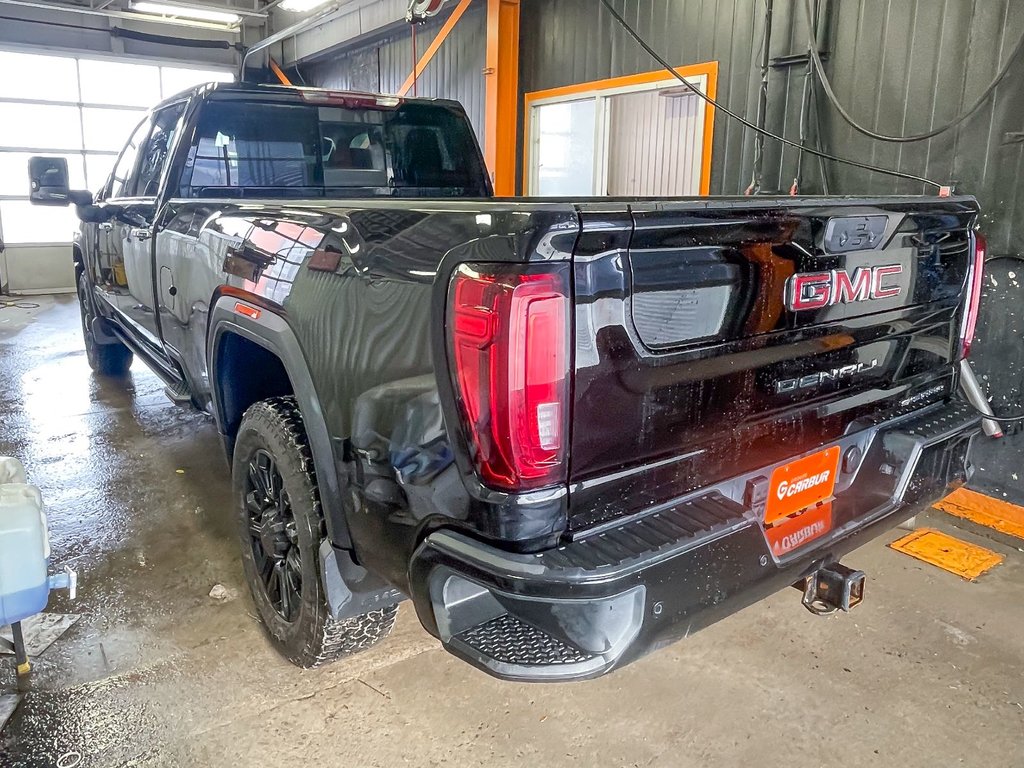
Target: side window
point(157, 150)
point(121, 180)
point(248, 145)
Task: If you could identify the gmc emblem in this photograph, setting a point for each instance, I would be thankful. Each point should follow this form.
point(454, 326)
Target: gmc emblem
point(814, 290)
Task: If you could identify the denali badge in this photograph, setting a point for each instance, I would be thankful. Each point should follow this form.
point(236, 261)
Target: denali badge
point(814, 290)
point(820, 377)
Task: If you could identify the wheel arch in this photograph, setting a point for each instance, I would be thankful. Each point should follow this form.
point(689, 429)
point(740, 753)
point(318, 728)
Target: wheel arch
point(266, 327)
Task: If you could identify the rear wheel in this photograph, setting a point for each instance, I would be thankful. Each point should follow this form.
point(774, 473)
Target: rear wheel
point(281, 527)
point(111, 359)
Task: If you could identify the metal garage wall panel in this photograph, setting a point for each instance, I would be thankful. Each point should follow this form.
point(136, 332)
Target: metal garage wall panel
point(904, 66)
point(564, 42)
point(901, 66)
point(455, 72)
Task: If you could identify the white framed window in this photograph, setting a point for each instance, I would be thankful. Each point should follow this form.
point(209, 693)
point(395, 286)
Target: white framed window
point(82, 108)
point(631, 136)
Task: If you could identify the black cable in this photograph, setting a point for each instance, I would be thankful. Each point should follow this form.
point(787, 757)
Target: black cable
point(739, 118)
point(992, 416)
point(819, 69)
point(150, 37)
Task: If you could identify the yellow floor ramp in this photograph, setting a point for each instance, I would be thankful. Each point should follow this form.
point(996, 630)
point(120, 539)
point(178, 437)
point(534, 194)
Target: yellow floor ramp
point(968, 561)
point(984, 510)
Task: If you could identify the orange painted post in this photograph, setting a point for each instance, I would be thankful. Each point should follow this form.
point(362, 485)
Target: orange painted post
point(709, 128)
point(280, 73)
point(434, 46)
point(502, 94)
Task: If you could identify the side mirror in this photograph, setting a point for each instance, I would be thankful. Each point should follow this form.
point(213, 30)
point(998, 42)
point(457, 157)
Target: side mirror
point(48, 179)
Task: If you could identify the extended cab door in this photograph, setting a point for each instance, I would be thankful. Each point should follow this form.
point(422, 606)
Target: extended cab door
point(110, 274)
point(136, 228)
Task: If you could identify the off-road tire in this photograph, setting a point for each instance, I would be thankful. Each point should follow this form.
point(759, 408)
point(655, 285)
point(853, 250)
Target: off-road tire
point(313, 638)
point(111, 359)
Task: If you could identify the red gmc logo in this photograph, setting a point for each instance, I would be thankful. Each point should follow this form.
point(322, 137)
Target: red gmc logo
point(814, 290)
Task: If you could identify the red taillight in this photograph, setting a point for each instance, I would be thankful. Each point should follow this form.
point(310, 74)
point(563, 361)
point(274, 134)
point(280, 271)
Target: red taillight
point(508, 335)
point(970, 320)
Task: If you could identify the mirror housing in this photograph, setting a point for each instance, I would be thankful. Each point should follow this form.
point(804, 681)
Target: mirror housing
point(94, 214)
point(48, 180)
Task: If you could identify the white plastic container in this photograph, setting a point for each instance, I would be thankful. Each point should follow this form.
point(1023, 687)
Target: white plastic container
point(11, 471)
point(24, 586)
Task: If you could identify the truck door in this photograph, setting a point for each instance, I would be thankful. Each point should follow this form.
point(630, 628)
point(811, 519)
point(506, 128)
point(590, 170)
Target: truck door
point(111, 279)
point(137, 231)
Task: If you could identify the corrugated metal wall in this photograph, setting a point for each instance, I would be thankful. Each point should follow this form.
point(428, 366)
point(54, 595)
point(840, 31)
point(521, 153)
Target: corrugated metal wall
point(900, 66)
point(564, 42)
point(455, 72)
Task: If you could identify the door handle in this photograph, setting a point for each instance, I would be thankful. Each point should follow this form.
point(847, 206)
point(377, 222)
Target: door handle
point(140, 234)
point(106, 226)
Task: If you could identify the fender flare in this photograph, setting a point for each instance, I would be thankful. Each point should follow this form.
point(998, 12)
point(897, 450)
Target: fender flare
point(270, 330)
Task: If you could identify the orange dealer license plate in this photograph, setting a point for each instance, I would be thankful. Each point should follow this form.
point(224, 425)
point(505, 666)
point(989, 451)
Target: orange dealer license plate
point(801, 484)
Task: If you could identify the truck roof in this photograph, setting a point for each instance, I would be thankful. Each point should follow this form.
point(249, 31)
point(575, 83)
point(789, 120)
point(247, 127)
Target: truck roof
point(290, 92)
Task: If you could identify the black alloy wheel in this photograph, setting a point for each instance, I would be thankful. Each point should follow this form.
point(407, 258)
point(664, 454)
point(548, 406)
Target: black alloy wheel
point(282, 534)
point(273, 536)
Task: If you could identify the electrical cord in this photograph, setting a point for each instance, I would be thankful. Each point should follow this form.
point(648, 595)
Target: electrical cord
point(826, 84)
point(997, 417)
point(744, 121)
point(992, 416)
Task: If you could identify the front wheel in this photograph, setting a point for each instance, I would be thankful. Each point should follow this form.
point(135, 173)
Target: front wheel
point(281, 526)
point(112, 359)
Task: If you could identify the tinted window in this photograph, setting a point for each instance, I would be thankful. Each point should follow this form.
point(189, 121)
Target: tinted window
point(122, 180)
point(302, 149)
point(157, 149)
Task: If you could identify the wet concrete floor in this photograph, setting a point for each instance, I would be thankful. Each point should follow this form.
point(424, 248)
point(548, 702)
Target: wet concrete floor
point(929, 671)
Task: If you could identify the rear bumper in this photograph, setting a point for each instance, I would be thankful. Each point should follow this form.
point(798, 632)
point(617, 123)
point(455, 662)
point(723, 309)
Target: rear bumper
point(615, 594)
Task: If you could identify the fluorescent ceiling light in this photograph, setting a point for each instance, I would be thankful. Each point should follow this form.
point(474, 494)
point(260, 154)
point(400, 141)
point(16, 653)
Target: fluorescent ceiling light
point(300, 6)
point(186, 12)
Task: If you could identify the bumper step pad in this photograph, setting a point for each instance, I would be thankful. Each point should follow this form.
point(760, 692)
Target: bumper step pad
point(648, 535)
point(512, 641)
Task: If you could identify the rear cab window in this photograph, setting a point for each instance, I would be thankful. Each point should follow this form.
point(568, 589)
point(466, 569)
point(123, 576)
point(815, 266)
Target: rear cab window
point(278, 149)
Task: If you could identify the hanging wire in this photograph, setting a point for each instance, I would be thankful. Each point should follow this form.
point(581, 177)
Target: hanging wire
point(744, 121)
point(819, 69)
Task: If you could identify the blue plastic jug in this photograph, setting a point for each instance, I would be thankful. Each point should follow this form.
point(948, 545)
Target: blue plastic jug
point(24, 548)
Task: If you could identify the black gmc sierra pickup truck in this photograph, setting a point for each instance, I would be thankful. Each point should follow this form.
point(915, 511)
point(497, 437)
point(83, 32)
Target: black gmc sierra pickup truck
point(569, 431)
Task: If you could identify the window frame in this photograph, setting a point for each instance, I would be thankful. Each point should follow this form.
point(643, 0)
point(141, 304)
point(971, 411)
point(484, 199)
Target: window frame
point(180, 105)
point(108, 188)
point(703, 76)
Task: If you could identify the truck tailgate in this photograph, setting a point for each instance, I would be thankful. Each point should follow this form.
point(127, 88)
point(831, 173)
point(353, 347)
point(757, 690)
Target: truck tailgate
point(713, 338)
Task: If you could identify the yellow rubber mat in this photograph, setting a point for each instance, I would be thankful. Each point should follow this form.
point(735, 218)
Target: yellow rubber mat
point(984, 510)
point(967, 561)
